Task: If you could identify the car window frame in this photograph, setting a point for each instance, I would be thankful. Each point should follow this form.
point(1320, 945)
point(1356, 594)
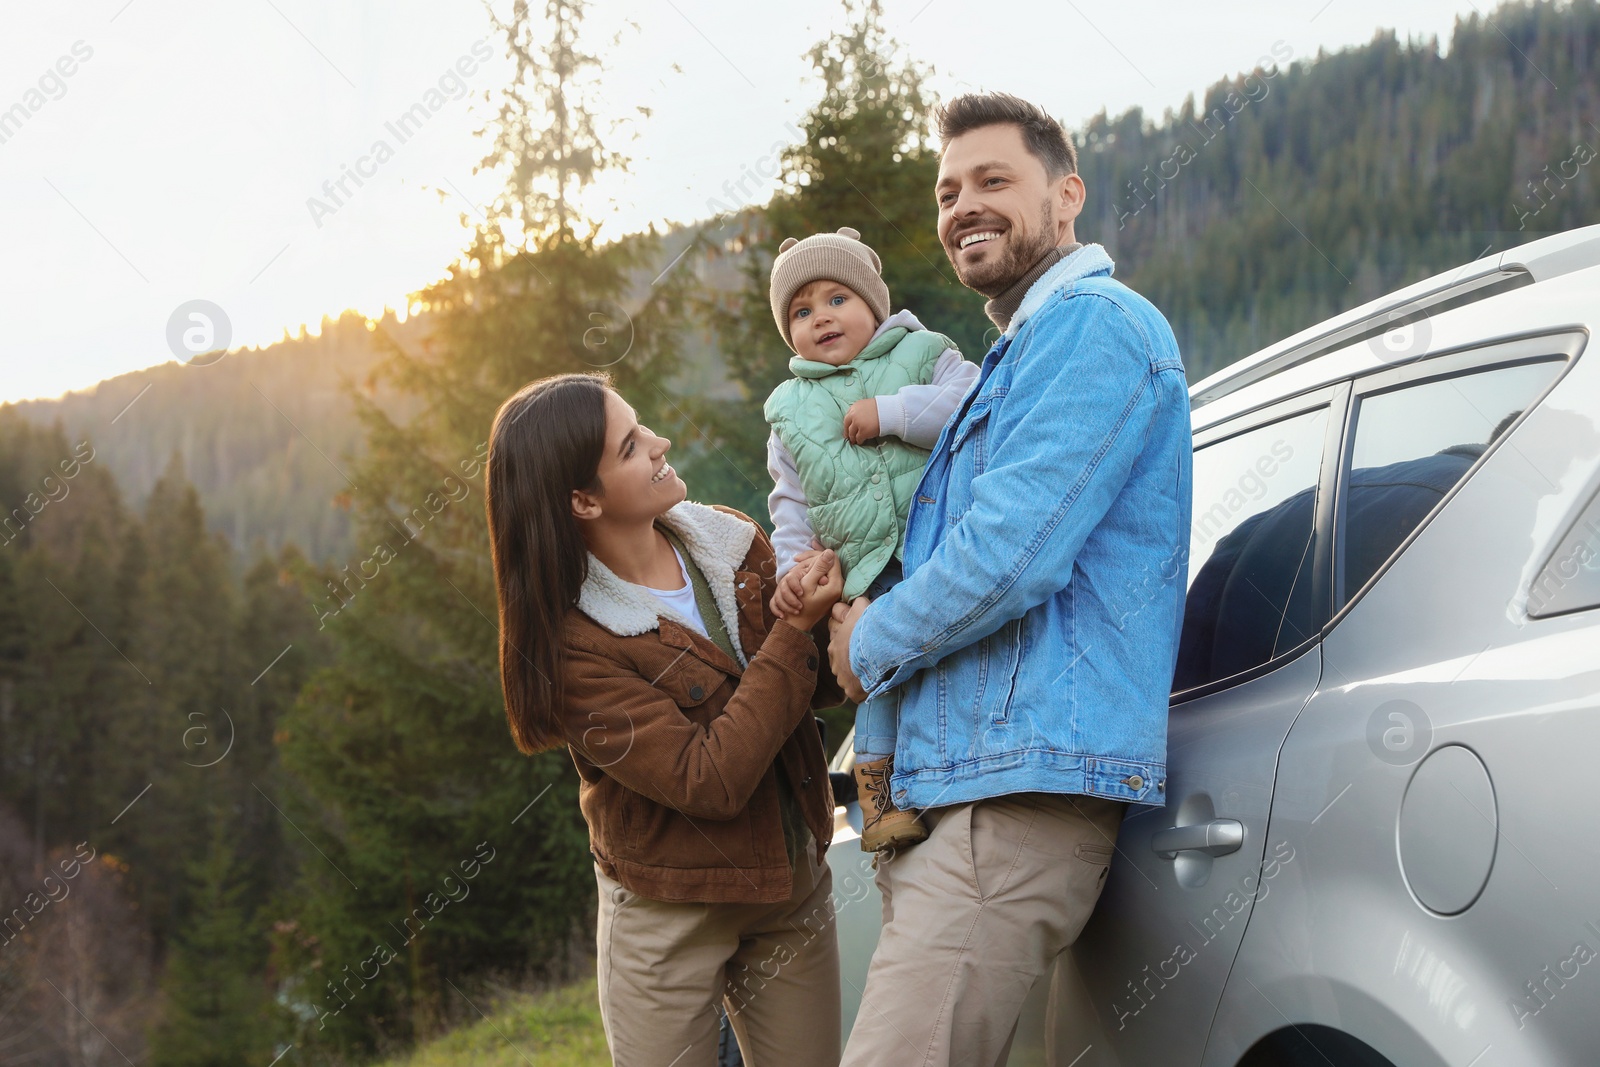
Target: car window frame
point(1334, 399)
point(1562, 346)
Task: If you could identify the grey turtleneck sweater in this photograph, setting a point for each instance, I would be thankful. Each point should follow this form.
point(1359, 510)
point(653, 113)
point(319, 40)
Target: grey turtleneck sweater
point(1001, 308)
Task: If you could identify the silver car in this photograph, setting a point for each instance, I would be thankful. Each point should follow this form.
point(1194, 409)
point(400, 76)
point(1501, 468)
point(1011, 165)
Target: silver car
point(1377, 847)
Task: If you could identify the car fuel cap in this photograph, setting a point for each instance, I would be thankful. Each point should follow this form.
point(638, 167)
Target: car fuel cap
point(1448, 829)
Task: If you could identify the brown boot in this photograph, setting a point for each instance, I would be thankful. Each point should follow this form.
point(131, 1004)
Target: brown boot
point(883, 825)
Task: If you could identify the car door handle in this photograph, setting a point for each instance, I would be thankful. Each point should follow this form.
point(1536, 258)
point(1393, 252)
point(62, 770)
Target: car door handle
point(1215, 838)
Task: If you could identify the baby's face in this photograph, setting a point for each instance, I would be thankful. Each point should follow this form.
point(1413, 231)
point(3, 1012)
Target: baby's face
point(830, 323)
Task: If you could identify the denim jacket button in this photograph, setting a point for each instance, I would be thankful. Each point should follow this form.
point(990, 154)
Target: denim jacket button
point(1134, 782)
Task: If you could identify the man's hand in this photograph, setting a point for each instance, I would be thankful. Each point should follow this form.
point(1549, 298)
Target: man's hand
point(841, 624)
point(861, 421)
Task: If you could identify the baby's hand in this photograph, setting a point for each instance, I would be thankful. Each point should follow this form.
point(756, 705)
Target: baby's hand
point(819, 591)
point(786, 601)
point(861, 421)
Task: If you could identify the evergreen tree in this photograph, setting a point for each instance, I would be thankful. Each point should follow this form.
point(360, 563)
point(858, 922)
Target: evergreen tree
point(868, 161)
point(217, 1011)
point(279, 648)
point(1307, 187)
point(180, 676)
point(403, 766)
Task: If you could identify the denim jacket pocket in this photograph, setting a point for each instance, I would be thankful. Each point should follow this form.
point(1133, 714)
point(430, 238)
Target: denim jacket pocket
point(969, 456)
point(1008, 641)
point(974, 423)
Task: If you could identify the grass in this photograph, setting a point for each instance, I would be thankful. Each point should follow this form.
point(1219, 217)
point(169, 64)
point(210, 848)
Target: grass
point(555, 1029)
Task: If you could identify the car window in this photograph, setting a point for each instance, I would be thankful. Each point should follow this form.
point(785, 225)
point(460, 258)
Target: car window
point(1570, 580)
point(1412, 445)
point(1251, 549)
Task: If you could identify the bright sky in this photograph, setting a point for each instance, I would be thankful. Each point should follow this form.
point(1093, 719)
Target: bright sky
point(176, 160)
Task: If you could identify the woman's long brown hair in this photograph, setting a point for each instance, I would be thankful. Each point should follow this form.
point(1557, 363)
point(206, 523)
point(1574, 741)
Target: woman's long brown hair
point(547, 441)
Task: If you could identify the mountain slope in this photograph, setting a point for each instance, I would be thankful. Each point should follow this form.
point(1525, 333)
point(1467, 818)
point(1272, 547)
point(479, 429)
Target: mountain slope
point(1306, 188)
point(1280, 198)
point(262, 433)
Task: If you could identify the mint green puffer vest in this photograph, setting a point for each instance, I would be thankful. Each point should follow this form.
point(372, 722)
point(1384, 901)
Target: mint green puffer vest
point(857, 496)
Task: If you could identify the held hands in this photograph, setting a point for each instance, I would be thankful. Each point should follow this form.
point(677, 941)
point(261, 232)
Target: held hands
point(861, 421)
point(814, 582)
point(786, 600)
point(841, 626)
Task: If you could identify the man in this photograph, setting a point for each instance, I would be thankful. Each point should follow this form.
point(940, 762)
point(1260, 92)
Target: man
point(1032, 642)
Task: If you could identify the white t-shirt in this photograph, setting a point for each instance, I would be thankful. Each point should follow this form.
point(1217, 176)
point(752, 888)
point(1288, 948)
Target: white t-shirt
point(681, 600)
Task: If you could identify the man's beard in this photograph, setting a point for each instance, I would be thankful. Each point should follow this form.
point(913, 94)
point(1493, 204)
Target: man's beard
point(995, 275)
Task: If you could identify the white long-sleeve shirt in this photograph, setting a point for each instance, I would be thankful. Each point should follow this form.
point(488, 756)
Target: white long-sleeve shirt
point(916, 414)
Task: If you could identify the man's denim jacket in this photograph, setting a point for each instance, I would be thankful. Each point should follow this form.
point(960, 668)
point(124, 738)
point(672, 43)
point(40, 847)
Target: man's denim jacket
point(1033, 640)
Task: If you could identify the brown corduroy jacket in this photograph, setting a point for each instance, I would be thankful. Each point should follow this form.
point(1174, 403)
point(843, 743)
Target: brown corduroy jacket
point(676, 744)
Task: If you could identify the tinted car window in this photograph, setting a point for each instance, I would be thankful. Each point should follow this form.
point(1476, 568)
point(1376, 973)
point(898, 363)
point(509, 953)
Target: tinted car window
point(1412, 445)
point(1251, 549)
point(1570, 581)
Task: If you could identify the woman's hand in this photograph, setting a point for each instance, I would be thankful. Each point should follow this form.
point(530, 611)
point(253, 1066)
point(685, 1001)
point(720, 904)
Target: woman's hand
point(820, 587)
point(786, 600)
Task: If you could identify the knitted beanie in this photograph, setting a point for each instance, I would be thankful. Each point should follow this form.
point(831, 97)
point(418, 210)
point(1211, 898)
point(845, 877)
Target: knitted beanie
point(836, 257)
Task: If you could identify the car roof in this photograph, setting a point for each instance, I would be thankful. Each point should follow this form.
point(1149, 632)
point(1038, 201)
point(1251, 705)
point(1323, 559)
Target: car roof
point(1434, 315)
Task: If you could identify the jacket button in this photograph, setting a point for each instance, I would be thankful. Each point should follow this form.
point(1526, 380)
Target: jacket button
point(877, 494)
point(811, 663)
point(876, 478)
point(1133, 781)
point(696, 693)
point(741, 585)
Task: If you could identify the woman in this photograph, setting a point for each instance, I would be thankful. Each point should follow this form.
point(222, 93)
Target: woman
point(635, 629)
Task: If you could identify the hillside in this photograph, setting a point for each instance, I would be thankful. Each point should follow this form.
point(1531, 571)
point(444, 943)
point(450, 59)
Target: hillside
point(1285, 197)
point(313, 840)
point(557, 1029)
point(267, 435)
point(1281, 197)
point(262, 433)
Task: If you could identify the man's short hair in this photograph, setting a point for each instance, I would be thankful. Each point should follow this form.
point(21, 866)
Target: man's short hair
point(1042, 134)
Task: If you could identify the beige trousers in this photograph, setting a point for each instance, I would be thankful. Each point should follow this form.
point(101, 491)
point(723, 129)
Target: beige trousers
point(664, 968)
point(972, 917)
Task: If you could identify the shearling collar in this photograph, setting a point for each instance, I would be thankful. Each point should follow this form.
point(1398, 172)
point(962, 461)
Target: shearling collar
point(1086, 261)
point(717, 541)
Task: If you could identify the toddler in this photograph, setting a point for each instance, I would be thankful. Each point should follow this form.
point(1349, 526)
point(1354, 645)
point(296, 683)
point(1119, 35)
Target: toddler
point(851, 433)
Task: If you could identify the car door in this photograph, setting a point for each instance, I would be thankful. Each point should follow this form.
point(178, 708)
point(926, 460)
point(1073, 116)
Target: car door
point(1441, 904)
point(1142, 983)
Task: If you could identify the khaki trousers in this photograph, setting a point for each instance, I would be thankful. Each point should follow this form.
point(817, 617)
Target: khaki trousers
point(664, 968)
point(972, 918)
